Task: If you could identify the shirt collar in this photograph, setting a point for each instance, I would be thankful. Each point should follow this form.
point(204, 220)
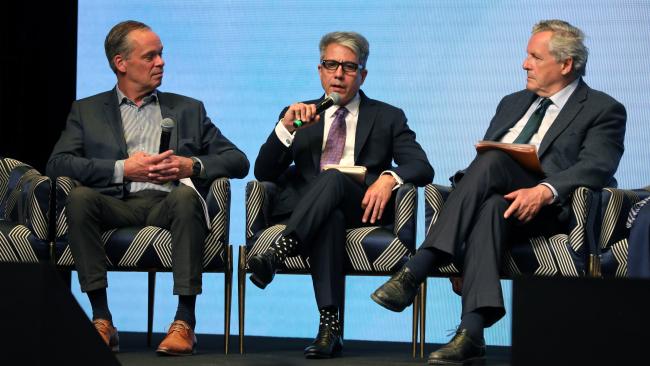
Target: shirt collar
point(352, 107)
point(560, 98)
point(122, 98)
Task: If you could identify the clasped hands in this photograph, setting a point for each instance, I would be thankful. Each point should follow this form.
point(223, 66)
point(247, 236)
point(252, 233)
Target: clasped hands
point(158, 169)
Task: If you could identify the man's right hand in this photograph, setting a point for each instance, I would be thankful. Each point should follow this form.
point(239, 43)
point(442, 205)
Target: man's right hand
point(304, 112)
point(136, 167)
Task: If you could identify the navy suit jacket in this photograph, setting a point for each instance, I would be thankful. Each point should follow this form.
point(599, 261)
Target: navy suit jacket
point(93, 140)
point(582, 147)
point(382, 136)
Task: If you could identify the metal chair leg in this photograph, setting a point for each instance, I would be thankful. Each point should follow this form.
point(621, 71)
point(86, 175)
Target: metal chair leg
point(150, 304)
point(241, 287)
point(423, 315)
point(342, 310)
point(414, 325)
point(227, 297)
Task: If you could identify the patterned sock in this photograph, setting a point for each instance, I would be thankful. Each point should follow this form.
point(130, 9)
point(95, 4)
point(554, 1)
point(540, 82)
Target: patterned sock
point(185, 309)
point(329, 316)
point(285, 247)
point(474, 322)
point(99, 304)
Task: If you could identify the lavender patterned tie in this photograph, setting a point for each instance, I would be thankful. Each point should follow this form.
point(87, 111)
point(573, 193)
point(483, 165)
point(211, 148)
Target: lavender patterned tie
point(335, 139)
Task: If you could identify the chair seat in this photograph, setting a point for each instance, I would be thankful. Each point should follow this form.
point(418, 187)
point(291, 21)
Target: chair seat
point(366, 250)
point(19, 244)
point(144, 248)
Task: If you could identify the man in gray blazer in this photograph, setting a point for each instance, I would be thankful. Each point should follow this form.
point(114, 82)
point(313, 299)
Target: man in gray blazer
point(111, 146)
point(579, 136)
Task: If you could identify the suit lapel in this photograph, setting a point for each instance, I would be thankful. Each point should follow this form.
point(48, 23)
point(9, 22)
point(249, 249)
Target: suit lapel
point(512, 114)
point(167, 111)
point(566, 116)
point(367, 114)
point(114, 120)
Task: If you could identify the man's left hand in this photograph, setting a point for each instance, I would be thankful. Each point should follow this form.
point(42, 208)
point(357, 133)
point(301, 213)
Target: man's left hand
point(527, 202)
point(376, 198)
point(173, 168)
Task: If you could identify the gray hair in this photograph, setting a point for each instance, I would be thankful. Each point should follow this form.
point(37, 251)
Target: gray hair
point(117, 42)
point(352, 40)
point(566, 42)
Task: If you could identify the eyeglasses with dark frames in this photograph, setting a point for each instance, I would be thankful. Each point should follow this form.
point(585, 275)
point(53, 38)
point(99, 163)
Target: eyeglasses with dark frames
point(348, 67)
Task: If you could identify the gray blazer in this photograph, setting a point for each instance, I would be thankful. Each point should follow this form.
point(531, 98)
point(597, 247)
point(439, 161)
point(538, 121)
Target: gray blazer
point(584, 145)
point(93, 140)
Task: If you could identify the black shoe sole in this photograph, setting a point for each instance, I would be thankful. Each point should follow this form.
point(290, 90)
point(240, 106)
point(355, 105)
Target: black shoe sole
point(386, 305)
point(471, 361)
point(257, 282)
point(312, 355)
point(256, 267)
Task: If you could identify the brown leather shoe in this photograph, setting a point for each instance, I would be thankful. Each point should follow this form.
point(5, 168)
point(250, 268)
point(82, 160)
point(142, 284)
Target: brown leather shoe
point(108, 333)
point(180, 340)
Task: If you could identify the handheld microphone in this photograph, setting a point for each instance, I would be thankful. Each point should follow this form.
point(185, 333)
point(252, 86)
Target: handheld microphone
point(330, 100)
point(167, 125)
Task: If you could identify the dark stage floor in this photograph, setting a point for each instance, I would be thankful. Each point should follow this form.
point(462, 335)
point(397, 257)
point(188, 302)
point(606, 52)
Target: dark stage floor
point(267, 351)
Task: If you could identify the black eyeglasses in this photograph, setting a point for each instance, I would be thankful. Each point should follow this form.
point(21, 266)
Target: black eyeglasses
point(348, 67)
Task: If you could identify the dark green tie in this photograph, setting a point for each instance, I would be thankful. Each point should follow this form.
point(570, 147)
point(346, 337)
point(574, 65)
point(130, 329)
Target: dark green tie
point(533, 122)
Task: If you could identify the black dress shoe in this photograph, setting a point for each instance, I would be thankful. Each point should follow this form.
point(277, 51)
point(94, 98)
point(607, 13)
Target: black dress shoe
point(461, 350)
point(328, 343)
point(398, 292)
point(263, 267)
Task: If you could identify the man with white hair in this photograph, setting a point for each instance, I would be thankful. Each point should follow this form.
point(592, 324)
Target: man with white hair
point(579, 135)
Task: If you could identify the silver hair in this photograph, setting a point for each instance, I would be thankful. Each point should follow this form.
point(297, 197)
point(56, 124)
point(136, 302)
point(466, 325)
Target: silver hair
point(117, 42)
point(566, 42)
point(352, 40)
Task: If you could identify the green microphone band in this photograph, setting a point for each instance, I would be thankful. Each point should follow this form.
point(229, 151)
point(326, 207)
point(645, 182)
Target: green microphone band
point(297, 123)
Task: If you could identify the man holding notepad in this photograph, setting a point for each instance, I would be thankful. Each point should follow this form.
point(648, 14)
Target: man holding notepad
point(318, 204)
point(578, 133)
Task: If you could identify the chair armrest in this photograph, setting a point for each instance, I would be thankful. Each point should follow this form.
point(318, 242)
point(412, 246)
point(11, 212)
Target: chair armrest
point(259, 202)
point(63, 186)
point(25, 196)
point(434, 199)
point(615, 208)
point(582, 223)
point(218, 202)
point(406, 213)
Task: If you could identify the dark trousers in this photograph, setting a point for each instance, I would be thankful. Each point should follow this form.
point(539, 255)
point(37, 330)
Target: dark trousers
point(471, 224)
point(639, 245)
point(91, 213)
point(331, 205)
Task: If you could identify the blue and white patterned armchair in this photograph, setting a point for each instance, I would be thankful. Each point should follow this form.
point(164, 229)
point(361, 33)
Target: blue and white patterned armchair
point(371, 250)
point(24, 213)
point(613, 234)
point(567, 254)
point(148, 248)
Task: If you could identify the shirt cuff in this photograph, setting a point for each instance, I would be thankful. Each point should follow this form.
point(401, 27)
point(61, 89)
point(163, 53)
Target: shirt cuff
point(553, 190)
point(399, 180)
point(118, 172)
point(283, 134)
point(202, 174)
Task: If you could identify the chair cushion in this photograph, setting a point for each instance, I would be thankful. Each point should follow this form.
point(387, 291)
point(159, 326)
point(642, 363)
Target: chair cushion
point(371, 249)
point(559, 254)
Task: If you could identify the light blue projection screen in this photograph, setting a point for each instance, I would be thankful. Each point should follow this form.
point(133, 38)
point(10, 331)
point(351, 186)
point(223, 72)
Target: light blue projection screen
point(446, 63)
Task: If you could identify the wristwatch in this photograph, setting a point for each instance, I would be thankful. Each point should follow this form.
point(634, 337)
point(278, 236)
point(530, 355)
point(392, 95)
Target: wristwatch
point(196, 168)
